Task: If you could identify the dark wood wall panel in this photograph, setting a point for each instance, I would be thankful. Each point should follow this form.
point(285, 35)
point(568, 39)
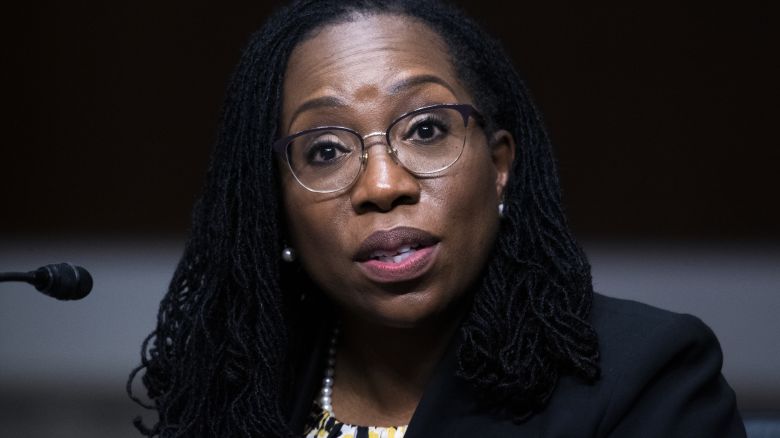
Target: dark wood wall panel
point(664, 117)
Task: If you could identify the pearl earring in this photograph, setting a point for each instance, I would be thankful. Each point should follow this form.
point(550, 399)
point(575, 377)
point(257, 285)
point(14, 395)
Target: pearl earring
point(288, 254)
point(501, 210)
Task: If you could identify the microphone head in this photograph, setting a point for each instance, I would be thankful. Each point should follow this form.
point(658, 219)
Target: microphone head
point(65, 281)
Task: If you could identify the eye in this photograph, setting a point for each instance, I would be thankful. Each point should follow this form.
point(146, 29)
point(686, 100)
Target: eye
point(427, 128)
point(326, 149)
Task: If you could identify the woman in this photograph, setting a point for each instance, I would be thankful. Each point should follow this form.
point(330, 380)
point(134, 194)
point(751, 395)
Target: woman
point(381, 249)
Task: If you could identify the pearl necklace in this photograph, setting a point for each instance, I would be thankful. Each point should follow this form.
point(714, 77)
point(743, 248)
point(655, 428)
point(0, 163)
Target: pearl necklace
point(326, 393)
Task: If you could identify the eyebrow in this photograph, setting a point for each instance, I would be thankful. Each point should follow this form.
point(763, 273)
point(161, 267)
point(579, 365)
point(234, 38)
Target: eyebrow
point(397, 87)
point(318, 102)
point(413, 81)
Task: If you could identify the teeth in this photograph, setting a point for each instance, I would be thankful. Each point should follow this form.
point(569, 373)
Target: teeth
point(394, 256)
point(403, 256)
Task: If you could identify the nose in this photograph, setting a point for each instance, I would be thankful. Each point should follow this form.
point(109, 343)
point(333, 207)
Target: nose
point(384, 183)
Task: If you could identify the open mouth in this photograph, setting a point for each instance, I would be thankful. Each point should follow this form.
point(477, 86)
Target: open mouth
point(395, 245)
point(399, 254)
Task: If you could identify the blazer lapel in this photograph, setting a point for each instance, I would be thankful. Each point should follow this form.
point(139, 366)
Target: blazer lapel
point(449, 408)
point(447, 402)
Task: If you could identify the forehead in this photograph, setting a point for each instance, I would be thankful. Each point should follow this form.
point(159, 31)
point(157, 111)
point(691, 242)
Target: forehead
point(359, 61)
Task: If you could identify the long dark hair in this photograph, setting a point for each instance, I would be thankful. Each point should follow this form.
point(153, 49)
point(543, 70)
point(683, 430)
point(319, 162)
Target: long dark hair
point(221, 360)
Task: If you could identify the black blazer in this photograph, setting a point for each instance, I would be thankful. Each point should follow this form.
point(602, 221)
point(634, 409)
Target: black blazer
point(660, 377)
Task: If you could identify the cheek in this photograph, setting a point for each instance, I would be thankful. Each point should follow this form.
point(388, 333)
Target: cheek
point(309, 220)
point(467, 206)
point(324, 227)
point(317, 231)
point(478, 200)
point(469, 189)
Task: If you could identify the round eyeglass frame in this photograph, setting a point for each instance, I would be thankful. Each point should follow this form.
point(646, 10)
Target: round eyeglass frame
point(465, 110)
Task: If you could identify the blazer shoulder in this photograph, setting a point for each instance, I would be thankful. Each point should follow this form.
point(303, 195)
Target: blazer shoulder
point(627, 328)
point(610, 314)
point(663, 370)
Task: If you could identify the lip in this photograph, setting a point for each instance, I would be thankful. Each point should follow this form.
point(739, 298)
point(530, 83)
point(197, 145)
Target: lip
point(373, 256)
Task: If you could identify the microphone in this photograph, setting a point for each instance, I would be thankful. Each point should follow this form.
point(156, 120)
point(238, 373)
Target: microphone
point(62, 281)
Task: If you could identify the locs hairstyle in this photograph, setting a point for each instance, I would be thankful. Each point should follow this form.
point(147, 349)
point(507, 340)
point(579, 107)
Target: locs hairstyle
point(230, 329)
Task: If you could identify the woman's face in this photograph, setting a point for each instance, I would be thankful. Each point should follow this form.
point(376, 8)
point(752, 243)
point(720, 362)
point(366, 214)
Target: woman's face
point(392, 249)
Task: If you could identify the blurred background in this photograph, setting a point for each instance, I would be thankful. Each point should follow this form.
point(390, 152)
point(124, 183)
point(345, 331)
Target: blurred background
point(663, 117)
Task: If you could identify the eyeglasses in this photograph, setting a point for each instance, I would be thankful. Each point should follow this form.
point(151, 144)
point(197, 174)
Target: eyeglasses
point(427, 140)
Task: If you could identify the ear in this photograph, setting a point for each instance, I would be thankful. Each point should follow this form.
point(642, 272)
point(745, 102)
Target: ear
point(502, 150)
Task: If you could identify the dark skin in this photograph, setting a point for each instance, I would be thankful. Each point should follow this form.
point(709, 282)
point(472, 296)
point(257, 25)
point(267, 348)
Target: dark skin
point(357, 74)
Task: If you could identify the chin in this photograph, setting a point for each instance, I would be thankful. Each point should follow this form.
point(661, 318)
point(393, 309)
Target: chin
point(408, 312)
